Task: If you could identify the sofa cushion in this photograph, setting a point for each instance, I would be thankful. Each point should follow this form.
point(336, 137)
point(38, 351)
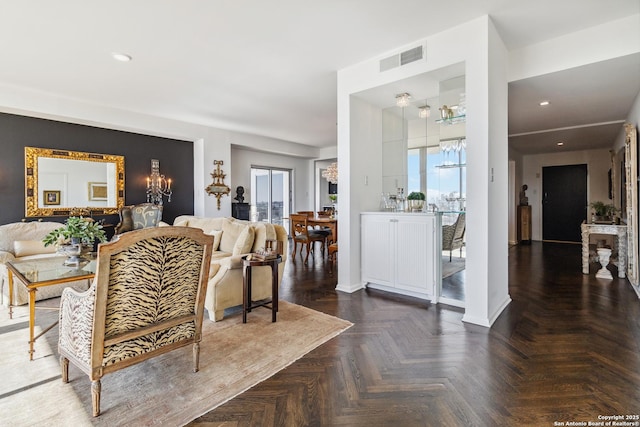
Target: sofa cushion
point(231, 230)
point(31, 247)
point(217, 236)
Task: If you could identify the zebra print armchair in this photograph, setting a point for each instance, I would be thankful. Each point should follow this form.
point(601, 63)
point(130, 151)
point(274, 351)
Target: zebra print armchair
point(146, 299)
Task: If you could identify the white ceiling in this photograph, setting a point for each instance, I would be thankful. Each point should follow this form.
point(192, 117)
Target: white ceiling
point(269, 67)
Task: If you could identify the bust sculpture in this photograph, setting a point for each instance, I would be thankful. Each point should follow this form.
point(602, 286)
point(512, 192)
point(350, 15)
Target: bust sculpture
point(239, 194)
point(524, 200)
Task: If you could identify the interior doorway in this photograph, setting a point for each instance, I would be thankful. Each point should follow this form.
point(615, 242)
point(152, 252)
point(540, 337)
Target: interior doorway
point(564, 202)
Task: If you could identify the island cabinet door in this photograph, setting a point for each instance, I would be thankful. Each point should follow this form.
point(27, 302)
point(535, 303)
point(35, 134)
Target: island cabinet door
point(377, 250)
point(415, 254)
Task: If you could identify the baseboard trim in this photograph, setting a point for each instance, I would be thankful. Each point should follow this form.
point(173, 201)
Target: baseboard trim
point(349, 288)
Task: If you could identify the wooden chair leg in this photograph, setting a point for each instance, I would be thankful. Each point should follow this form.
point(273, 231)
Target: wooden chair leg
point(196, 357)
point(307, 257)
point(96, 387)
point(64, 365)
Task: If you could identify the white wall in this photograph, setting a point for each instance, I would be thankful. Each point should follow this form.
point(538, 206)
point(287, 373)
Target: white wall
point(599, 43)
point(242, 160)
point(598, 163)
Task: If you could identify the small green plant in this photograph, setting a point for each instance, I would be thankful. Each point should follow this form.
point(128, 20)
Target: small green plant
point(333, 197)
point(76, 227)
point(602, 209)
point(416, 195)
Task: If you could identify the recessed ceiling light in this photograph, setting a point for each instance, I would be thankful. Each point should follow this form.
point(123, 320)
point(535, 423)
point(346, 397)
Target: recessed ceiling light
point(559, 144)
point(123, 57)
point(543, 103)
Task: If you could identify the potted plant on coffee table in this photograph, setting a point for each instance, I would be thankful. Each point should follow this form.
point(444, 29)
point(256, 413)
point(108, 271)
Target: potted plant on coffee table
point(76, 234)
point(416, 201)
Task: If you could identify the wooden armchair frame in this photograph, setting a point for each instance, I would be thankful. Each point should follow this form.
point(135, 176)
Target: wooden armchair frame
point(147, 299)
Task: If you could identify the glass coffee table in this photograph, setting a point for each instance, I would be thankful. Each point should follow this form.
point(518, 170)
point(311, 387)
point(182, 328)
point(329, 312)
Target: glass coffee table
point(41, 272)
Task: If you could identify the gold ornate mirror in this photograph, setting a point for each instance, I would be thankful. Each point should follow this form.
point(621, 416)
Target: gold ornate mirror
point(62, 183)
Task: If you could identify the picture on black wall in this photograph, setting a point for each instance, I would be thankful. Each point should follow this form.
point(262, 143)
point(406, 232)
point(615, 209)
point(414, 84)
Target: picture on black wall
point(51, 197)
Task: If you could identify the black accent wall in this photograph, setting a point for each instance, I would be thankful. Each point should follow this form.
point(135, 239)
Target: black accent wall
point(17, 132)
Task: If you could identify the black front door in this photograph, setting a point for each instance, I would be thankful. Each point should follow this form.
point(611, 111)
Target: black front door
point(564, 202)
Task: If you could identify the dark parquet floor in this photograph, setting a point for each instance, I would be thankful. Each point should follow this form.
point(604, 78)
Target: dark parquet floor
point(565, 350)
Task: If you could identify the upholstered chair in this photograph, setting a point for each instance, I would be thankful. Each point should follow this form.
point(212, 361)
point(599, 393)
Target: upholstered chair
point(136, 217)
point(453, 235)
point(147, 298)
point(305, 236)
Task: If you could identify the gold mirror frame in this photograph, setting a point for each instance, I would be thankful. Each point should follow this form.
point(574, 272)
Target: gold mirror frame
point(32, 209)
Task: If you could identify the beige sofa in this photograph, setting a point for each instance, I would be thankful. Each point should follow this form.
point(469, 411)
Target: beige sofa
point(234, 239)
point(23, 241)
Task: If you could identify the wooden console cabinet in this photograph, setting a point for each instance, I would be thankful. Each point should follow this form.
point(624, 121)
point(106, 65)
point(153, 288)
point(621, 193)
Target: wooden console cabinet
point(524, 224)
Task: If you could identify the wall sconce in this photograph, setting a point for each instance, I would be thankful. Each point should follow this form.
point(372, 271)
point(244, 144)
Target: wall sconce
point(218, 188)
point(424, 112)
point(157, 185)
point(402, 100)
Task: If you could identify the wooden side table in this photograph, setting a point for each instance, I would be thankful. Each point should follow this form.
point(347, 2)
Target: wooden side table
point(247, 304)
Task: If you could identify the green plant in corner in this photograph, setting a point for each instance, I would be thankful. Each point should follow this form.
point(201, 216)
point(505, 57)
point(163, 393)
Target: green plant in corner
point(333, 197)
point(600, 209)
point(86, 230)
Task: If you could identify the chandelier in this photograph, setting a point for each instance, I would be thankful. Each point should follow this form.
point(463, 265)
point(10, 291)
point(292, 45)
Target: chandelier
point(402, 100)
point(157, 185)
point(331, 173)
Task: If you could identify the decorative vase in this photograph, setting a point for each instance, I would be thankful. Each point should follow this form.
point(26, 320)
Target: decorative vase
point(603, 257)
point(73, 251)
point(416, 205)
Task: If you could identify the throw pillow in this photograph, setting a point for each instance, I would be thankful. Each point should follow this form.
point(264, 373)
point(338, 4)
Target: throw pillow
point(217, 236)
point(244, 243)
point(231, 230)
point(31, 247)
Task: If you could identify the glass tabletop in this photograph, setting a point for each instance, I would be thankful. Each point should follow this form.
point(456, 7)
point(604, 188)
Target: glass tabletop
point(52, 269)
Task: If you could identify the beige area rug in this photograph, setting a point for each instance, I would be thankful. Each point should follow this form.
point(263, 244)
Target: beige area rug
point(161, 391)
point(451, 268)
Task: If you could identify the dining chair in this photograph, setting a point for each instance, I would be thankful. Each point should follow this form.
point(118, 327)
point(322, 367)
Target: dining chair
point(304, 235)
point(453, 235)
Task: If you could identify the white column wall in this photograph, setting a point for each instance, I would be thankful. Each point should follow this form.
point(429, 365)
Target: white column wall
point(487, 149)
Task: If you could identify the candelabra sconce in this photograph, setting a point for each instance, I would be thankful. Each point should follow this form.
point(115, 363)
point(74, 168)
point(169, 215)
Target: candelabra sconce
point(218, 188)
point(157, 185)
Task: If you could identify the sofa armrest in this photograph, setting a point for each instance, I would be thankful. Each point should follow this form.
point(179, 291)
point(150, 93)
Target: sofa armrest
point(233, 262)
point(6, 256)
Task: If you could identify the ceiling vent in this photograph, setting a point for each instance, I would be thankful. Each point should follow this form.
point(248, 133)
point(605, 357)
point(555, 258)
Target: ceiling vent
point(402, 58)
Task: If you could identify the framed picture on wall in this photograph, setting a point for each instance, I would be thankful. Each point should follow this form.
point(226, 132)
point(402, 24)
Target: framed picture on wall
point(333, 188)
point(97, 191)
point(51, 197)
